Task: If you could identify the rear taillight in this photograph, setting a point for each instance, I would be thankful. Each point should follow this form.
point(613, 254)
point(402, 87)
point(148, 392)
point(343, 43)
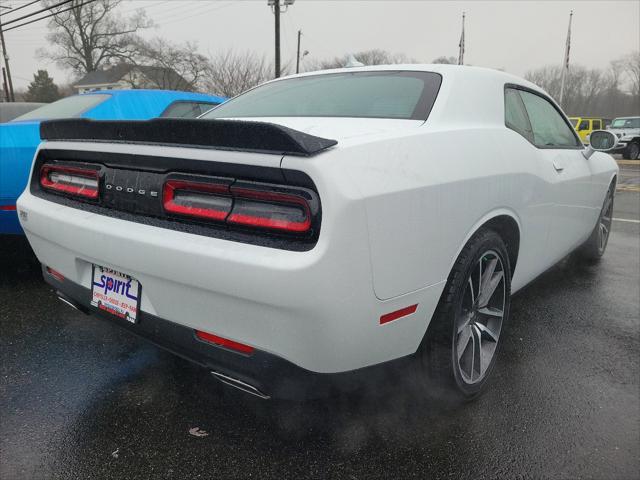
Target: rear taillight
point(211, 201)
point(257, 205)
point(270, 209)
point(76, 181)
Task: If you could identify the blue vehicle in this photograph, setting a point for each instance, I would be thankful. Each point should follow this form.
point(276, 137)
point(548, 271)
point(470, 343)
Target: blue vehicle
point(20, 137)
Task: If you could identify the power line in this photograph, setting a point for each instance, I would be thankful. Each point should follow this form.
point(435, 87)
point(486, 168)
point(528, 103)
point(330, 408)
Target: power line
point(36, 12)
point(146, 7)
point(50, 15)
point(207, 10)
point(13, 10)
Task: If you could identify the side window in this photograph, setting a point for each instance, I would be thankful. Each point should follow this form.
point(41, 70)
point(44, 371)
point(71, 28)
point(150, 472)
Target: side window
point(549, 127)
point(584, 125)
point(596, 125)
point(515, 115)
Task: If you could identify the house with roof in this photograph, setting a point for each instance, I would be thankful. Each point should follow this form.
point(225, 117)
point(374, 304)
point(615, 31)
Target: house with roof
point(127, 76)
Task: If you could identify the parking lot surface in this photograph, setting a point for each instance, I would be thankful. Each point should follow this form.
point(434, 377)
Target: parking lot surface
point(80, 398)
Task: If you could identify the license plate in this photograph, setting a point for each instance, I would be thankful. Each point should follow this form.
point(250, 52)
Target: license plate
point(115, 293)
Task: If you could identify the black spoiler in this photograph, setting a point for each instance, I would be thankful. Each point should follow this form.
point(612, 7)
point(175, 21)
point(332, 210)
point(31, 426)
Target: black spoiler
point(218, 134)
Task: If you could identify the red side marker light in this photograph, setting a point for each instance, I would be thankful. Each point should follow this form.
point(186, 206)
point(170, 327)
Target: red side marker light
point(8, 208)
point(224, 342)
point(403, 312)
point(55, 274)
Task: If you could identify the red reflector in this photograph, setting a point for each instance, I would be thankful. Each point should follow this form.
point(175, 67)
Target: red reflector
point(194, 199)
point(224, 342)
point(81, 182)
point(273, 210)
point(7, 208)
point(403, 312)
point(55, 274)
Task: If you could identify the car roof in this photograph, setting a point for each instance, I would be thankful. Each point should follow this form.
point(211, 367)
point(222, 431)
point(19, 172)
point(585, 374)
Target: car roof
point(150, 92)
point(446, 70)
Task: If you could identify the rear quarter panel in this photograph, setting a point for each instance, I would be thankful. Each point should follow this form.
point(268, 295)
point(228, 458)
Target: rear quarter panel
point(426, 192)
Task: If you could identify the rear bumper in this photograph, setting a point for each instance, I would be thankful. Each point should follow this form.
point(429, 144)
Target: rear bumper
point(315, 309)
point(260, 373)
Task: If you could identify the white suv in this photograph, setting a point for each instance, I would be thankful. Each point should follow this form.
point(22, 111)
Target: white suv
point(627, 129)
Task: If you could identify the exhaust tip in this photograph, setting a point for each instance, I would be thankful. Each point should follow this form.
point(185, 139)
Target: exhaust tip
point(67, 301)
point(240, 385)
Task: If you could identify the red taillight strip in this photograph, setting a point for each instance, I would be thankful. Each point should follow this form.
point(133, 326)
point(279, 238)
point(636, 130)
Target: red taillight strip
point(403, 312)
point(82, 191)
point(7, 208)
point(264, 222)
point(168, 197)
point(224, 342)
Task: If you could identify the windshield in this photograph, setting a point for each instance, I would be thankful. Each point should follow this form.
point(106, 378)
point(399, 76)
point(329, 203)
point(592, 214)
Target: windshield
point(626, 123)
point(403, 95)
point(66, 108)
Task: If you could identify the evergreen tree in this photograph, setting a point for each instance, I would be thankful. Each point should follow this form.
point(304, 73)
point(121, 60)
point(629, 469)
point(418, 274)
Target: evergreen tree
point(42, 89)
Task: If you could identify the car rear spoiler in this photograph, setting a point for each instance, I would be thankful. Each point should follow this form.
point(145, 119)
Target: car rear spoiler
point(237, 135)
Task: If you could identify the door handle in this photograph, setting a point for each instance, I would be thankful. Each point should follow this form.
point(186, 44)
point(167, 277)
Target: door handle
point(558, 167)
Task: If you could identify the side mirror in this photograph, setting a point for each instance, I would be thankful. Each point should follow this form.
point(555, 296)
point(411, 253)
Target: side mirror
point(600, 141)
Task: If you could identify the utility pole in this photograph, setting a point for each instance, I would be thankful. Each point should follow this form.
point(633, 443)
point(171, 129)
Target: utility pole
point(5, 87)
point(10, 96)
point(298, 54)
point(276, 8)
point(565, 63)
point(276, 12)
point(461, 44)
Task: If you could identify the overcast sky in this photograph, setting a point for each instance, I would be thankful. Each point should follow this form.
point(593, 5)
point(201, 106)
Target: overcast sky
point(512, 35)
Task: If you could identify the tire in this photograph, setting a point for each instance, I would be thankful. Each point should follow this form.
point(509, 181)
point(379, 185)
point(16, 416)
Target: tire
point(593, 249)
point(461, 323)
point(632, 151)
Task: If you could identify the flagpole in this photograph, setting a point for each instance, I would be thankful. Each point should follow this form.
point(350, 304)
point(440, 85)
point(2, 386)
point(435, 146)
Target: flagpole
point(565, 65)
point(461, 44)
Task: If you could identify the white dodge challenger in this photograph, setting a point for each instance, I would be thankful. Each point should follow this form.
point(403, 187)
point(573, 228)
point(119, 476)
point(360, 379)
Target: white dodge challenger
point(297, 237)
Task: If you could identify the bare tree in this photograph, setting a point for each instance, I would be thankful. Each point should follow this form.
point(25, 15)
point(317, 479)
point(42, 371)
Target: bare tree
point(589, 92)
point(231, 72)
point(174, 67)
point(446, 60)
point(92, 36)
point(367, 57)
point(630, 65)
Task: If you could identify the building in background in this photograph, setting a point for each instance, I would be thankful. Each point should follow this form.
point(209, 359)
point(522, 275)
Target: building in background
point(127, 76)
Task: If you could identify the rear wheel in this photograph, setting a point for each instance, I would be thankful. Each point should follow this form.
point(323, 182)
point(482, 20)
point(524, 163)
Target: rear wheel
point(593, 249)
point(633, 150)
point(462, 343)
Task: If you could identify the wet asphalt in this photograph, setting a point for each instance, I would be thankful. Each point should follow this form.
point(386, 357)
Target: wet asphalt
point(80, 398)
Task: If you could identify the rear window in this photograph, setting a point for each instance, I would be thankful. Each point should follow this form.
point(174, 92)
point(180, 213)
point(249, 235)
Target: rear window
point(402, 95)
point(187, 109)
point(66, 108)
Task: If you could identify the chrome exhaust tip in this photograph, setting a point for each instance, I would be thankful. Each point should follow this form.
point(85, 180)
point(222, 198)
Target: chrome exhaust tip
point(240, 385)
point(71, 303)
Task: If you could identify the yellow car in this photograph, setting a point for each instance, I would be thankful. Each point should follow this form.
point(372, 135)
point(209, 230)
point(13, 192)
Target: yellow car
point(585, 125)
